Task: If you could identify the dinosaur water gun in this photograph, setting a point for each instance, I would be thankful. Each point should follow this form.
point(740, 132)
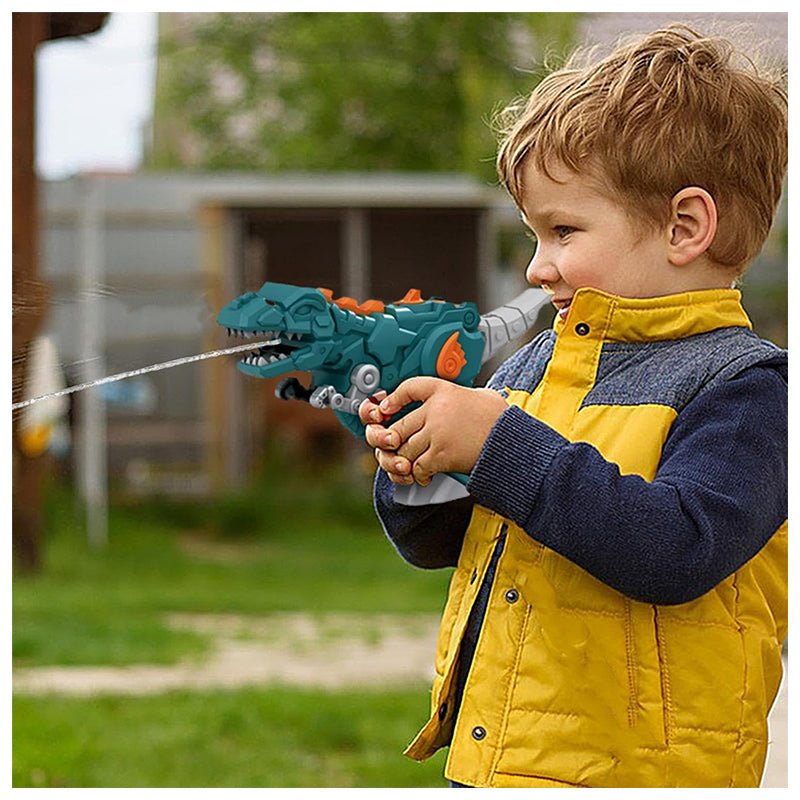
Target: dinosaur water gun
point(354, 350)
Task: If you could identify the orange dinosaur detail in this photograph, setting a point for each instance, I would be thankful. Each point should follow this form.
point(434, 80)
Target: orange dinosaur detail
point(351, 304)
point(451, 359)
point(371, 307)
point(412, 296)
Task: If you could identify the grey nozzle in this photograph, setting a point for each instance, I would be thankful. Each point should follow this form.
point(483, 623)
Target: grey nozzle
point(511, 320)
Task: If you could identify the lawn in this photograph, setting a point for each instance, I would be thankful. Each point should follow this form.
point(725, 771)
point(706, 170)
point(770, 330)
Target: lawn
point(295, 541)
point(300, 542)
point(269, 737)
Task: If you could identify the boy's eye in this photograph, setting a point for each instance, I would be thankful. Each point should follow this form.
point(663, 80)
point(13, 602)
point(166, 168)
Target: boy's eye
point(562, 231)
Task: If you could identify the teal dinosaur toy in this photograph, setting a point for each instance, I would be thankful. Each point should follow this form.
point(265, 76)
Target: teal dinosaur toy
point(354, 350)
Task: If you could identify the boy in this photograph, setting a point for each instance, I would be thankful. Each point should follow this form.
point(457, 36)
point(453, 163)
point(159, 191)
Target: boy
point(618, 606)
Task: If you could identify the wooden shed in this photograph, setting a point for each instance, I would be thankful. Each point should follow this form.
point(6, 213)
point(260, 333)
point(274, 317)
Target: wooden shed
point(176, 247)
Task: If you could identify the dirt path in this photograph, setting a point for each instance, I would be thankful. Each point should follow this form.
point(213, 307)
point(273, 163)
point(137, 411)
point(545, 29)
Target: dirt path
point(329, 651)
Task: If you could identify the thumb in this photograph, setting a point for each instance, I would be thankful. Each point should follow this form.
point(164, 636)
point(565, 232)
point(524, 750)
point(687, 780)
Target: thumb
point(409, 391)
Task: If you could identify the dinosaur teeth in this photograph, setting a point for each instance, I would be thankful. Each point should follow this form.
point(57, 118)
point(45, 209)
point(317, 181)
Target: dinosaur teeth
point(274, 336)
point(262, 358)
point(268, 353)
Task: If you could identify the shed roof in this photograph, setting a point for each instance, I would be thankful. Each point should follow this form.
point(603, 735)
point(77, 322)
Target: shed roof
point(176, 192)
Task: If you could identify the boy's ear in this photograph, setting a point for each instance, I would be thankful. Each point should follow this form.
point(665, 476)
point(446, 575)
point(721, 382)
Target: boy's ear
point(693, 225)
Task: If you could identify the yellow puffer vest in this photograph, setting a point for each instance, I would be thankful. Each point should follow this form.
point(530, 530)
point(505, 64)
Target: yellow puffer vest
point(574, 684)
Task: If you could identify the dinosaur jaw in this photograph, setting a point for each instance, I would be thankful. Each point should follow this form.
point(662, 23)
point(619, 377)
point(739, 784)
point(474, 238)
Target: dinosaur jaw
point(274, 357)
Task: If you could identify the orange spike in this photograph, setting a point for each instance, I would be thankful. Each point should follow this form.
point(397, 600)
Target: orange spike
point(350, 304)
point(451, 359)
point(412, 296)
point(371, 306)
point(347, 303)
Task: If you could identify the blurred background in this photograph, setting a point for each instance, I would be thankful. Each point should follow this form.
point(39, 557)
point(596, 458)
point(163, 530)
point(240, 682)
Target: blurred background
point(202, 594)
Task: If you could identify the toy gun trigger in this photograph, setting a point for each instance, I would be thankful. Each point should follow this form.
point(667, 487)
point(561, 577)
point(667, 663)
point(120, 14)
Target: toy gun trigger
point(292, 389)
point(364, 379)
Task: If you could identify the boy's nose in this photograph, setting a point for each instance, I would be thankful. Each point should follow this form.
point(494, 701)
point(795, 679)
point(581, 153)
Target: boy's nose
point(541, 271)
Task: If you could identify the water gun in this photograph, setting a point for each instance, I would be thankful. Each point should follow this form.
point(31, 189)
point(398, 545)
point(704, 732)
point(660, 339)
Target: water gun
point(354, 350)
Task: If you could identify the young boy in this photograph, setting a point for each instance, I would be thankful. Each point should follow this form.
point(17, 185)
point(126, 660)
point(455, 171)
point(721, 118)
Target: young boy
point(618, 606)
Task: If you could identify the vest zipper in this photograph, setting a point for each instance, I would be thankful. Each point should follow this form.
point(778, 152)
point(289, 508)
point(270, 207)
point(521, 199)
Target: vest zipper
point(472, 630)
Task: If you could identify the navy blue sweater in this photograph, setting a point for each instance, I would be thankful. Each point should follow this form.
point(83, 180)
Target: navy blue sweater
point(719, 494)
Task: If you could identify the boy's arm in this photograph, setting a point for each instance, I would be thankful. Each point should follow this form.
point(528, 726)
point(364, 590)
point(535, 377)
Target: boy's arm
point(427, 524)
point(427, 531)
point(719, 494)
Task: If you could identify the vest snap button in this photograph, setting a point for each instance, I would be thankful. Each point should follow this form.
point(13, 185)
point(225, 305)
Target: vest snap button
point(582, 329)
point(512, 595)
point(478, 733)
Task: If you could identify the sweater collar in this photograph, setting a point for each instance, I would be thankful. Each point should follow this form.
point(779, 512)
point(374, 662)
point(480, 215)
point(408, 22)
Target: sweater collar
point(597, 314)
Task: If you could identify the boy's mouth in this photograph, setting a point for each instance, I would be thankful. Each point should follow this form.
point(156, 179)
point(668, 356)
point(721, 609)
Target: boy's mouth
point(563, 307)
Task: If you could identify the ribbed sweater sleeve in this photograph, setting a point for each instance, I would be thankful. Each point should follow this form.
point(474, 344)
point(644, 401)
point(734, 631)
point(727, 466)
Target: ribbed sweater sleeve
point(719, 494)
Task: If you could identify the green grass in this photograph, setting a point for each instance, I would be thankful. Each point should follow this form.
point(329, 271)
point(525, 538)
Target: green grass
point(269, 738)
point(294, 542)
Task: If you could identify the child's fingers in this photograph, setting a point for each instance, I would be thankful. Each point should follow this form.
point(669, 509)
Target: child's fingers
point(413, 447)
point(408, 425)
point(393, 465)
point(368, 411)
point(409, 391)
point(421, 472)
point(378, 436)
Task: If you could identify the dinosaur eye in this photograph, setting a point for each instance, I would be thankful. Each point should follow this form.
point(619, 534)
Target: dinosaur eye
point(269, 302)
point(305, 310)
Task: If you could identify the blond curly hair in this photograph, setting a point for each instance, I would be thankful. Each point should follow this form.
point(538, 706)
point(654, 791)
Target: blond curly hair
point(669, 110)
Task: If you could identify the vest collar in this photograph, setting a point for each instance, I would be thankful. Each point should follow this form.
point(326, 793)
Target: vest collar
point(595, 314)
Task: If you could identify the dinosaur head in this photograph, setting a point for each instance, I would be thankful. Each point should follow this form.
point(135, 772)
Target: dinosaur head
point(297, 321)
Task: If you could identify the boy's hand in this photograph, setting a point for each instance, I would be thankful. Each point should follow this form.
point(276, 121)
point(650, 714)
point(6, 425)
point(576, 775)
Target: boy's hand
point(377, 436)
point(445, 434)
